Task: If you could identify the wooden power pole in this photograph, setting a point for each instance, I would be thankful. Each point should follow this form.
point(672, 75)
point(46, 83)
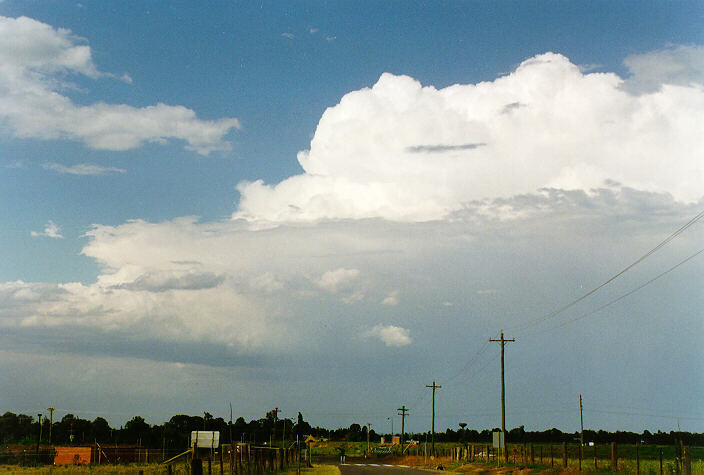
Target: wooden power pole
point(432, 427)
point(503, 342)
point(581, 426)
point(51, 421)
point(403, 414)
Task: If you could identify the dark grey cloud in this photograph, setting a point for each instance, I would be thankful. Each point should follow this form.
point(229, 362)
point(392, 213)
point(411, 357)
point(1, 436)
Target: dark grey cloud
point(512, 106)
point(612, 200)
point(440, 148)
point(161, 282)
point(79, 340)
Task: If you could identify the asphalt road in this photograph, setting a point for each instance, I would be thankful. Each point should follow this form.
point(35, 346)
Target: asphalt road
point(373, 468)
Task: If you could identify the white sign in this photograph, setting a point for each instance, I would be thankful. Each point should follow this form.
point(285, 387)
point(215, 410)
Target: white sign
point(498, 439)
point(205, 439)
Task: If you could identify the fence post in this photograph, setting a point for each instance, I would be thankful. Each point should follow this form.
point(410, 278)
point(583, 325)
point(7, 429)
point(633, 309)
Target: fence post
point(552, 459)
point(637, 461)
point(579, 455)
point(686, 461)
point(614, 457)
point(564, 454)
point(196, 466)
point(660, 454)
point(596, 467)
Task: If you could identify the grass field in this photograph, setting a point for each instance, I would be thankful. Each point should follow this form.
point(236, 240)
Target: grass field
point(649, 461)
point(146, 469)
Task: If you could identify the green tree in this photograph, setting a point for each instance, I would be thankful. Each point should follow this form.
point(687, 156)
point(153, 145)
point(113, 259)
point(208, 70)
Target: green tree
point(136, 430)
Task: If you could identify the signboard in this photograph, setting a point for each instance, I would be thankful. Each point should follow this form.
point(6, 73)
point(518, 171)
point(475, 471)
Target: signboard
point(498, 439)
point(205, 439)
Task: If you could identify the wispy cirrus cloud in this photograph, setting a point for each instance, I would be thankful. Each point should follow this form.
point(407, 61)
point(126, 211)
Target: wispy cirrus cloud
point(82, 169)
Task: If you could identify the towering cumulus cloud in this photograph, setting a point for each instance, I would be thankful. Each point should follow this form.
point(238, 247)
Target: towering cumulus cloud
point(397, 223)
point(405, 152)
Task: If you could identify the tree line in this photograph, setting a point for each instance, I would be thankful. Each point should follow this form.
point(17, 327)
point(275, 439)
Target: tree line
point(174, 434)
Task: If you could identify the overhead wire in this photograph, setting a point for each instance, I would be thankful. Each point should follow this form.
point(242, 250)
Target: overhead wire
point(474, 358)
point(574, 302)
point(631, 292)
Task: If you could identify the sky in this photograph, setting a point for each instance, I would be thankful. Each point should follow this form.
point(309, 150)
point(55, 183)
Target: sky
point(325, 206)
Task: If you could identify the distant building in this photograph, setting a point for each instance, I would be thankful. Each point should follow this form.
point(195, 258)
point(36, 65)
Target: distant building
point(73, 455)
point(87, 454)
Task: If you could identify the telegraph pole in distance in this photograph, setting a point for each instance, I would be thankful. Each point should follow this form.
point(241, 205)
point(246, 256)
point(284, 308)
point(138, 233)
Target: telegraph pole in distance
point(503, 342)
point(403, 414)
point(231, 428)
point(432, 439)
point(51, 421)
point(581, 426)
point(369, 426)
point(276, 416)
point(39, 439)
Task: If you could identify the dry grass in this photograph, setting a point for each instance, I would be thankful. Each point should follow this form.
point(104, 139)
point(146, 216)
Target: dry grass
point(133, 469)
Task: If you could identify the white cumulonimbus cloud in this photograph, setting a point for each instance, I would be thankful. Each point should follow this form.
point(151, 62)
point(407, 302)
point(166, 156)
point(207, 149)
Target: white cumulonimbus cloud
point(405, 152)
point(36, 58)
point(433, 172)
point(389, 334)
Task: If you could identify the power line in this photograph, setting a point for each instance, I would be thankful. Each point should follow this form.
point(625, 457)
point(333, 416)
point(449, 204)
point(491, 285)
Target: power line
point(614, 277)
point(631, 292)
point(470, 362)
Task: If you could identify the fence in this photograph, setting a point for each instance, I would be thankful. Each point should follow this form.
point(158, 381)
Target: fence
point(242, 460)
point(623, 458)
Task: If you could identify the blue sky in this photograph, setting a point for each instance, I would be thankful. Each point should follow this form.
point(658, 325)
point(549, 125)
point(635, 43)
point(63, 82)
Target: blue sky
point(196, 194)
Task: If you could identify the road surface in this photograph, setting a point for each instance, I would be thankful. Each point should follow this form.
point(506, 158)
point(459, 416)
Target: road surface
point(378, 468)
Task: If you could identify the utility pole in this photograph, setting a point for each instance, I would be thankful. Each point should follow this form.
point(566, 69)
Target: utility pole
point(369, 426)
point(276, 417)
point(581, 423)
point(503, 342)
point(403, 414)
point(40, 432)
point(432, 440)
point(51, 421)
point(231, 427)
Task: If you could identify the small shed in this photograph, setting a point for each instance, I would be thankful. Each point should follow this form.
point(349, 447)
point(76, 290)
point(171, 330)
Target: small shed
point(73, 455)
